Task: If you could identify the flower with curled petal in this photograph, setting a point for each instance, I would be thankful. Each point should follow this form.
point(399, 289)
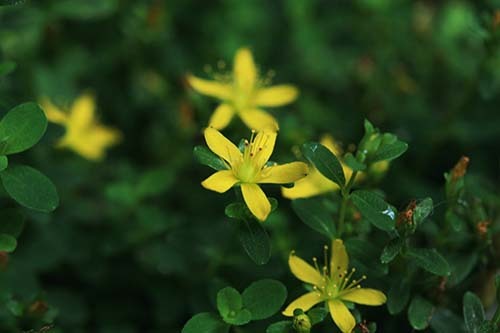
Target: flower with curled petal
point(250, 168)
point(333, 285)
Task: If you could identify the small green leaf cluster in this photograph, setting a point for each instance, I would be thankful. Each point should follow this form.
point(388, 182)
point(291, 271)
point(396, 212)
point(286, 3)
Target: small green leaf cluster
point(260, 300)
point(20, 129)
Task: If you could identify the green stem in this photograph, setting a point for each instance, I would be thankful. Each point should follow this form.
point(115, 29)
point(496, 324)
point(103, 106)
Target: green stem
point(343, 205)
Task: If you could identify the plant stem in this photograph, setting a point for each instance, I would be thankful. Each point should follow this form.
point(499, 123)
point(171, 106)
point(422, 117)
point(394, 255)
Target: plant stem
point(343, 205)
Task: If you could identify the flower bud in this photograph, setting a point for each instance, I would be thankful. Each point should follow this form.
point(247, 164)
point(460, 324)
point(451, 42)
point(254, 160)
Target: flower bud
point(302, 323)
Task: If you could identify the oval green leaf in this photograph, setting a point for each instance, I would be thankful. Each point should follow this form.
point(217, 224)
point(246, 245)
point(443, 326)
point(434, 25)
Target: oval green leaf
point(420, 313)
point(21, 128)
point(391, 250)
point(30, 188)
point(423, 210)
point(255, 240)
point(374, 209)
point(285, 326)
point(388, 152)
point(430, 260)
point(325, 161)
point(204, 156)
point(314, 214)
point(264, 298)
point(473, 312)
point(398, 296)
point(205, 322)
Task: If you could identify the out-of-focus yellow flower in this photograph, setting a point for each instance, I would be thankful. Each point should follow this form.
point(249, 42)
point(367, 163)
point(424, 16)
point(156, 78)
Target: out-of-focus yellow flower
point(332, 285)
point(315, 183)
point(84, 134)
point(242, 93)
point(248, 169)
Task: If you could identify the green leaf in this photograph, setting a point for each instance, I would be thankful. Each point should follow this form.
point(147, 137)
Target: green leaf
point(285, 326)
point(423, 210)
point(314, 214)
point(374, 209)
point(7, 243)
point(254, 239)
point(473, 312)
point(264, 298)
point(12, 222)
point(8, 66)
point(325, 161)
point(21, 128)
point(445, 321)
point(430, 260)
point(4, 163)
point(230, 306)
point(204, 156)
point(353, 163)
point(398, 295)
point(205, 322)
point(30, 188)
point(420, 313)
point(317, 314)
point(461, 265)
point(391, 250)
point(388, 152)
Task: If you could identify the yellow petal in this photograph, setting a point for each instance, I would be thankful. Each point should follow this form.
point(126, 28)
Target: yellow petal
point(221, 116)
point(304, 302)
point(339, 259)
point(264, 142)
point(276, 96)
point(221, 181)
point(82, 112)
point(210, 88)
point(285, 173)
point(365, 296)
point(221, 146)
point(305, 272)
point(92, 143)
point(259, 120)
point(341, 316)
point(329, 142)
point(313, 184)
point(256, 201)
point(245, 73)
point(52, 112)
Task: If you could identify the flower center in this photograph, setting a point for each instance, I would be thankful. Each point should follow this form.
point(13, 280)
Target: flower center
point(251, 165)
point(338, 284)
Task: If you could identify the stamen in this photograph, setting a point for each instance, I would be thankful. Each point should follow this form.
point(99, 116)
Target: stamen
point(325, 255)
point(315, 261)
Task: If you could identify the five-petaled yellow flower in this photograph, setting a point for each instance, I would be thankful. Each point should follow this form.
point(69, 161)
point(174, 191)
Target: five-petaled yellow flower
point(315, 183)
point(332, 285)
point(243, 93)
point(249, 169)
point(83, 134)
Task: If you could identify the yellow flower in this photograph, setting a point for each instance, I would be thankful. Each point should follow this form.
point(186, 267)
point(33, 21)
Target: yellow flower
point(332, 285)
point(243, 94)
point(83, 134)
point(315, 183)
point(248, 169)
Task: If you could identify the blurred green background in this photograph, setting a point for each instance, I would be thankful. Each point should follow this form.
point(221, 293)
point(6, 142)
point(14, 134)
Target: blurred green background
point(137, 245)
